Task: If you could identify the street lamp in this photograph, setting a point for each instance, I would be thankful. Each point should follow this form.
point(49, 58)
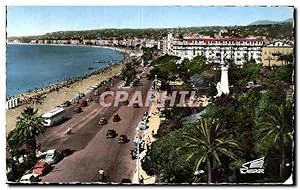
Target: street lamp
point(137, 141)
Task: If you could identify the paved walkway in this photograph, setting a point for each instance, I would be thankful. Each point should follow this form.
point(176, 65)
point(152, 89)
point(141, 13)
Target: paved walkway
point(154, 122)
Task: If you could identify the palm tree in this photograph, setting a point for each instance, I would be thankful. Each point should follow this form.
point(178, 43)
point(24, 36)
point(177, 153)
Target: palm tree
point(285, 58)
point(277, 125)
point(28, 127)
point(208, 141)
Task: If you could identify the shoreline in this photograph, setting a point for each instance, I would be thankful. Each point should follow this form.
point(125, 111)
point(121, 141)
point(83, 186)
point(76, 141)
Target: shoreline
point(120, 49)
point(32, 92)
point(48, 97)
point(38, 94)
point(55, 98)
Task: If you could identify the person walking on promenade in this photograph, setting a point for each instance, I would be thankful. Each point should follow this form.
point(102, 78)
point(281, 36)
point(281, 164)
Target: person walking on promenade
point(141, 180)
point(101, 173)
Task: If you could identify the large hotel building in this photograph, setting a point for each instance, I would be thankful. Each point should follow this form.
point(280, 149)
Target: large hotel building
point(238, 49)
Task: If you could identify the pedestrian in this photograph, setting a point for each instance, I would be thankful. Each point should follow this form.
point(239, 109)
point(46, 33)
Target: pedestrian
point(141, 179)
point(152, 133)
point(101, 173)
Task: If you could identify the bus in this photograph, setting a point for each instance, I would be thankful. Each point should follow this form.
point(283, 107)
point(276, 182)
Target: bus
point(54, 116)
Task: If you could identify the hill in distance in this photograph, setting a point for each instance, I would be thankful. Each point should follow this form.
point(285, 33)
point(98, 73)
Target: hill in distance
point(268, 22)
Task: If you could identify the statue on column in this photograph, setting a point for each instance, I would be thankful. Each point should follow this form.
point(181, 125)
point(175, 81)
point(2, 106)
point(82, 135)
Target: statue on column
point(223, 85)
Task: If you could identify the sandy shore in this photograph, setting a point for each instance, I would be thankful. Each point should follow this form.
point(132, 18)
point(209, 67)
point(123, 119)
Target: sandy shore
point(51, 97)
point(56, 98)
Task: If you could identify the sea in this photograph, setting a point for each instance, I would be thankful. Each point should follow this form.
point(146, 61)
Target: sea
point(30, 67)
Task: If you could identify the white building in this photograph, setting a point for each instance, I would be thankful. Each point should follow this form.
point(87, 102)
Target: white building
point(74, 42)
point(238, 49)
point(150, 43)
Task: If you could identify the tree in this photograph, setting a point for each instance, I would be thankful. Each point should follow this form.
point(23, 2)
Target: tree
point(128, 74)
point(192, 67)
point(285, 58)
point(197, 81)
point(277, 125)
point(275, 96)
point(28, 127)
point(165, 68)
point(282, 73)
point(208, 142)
point(165, 162)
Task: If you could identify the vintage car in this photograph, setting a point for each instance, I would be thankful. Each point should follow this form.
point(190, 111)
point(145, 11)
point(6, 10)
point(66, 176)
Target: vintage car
point(142, 125)
point(29, 178)
point(116, 118)
point(102, 121)
point(53, 156)
point(77, 110)
point(111, 133)
point(84, 103)
point(66, 104)
point(123, 139)
point(41, 168)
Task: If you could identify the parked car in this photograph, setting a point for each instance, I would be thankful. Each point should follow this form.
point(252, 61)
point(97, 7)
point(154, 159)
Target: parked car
point(42, 168)
point(107, 89)
point(116, 118)
point(111, 133)
point(142, 125)
point(123, 139)
point(102, 121)
point(136, 105)
point(89, 99)
point(29, 178)
point(77, 110)
point(84, 103)
point(66, 104)
point(53, 156)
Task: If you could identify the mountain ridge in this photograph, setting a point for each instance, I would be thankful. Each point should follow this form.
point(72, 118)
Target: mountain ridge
point(268, 22)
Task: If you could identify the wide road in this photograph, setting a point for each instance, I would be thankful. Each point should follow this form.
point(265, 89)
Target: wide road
point(90, 149)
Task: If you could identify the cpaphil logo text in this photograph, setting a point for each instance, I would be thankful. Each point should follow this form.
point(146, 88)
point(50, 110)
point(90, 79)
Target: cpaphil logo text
point(254, 166)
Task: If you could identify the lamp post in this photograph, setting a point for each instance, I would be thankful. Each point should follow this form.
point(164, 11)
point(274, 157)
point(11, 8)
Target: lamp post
point(138, 159)
point(137, 142)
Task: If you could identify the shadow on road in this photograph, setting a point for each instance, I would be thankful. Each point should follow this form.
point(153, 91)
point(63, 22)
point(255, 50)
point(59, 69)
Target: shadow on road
point(67, 152)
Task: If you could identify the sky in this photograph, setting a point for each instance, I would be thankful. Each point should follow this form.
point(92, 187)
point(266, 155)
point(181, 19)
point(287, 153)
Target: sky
point(37, 20)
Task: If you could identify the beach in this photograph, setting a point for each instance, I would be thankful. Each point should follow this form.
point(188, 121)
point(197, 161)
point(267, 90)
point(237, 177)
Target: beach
point(56, 98)
point(47, 98)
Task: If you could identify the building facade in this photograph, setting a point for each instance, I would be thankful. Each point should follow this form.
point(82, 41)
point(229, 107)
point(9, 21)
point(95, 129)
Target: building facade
point(238, 49)
point(272, 52)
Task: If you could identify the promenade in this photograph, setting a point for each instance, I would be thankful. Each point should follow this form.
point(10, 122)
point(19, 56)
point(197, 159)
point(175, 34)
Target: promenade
point(153, 125)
